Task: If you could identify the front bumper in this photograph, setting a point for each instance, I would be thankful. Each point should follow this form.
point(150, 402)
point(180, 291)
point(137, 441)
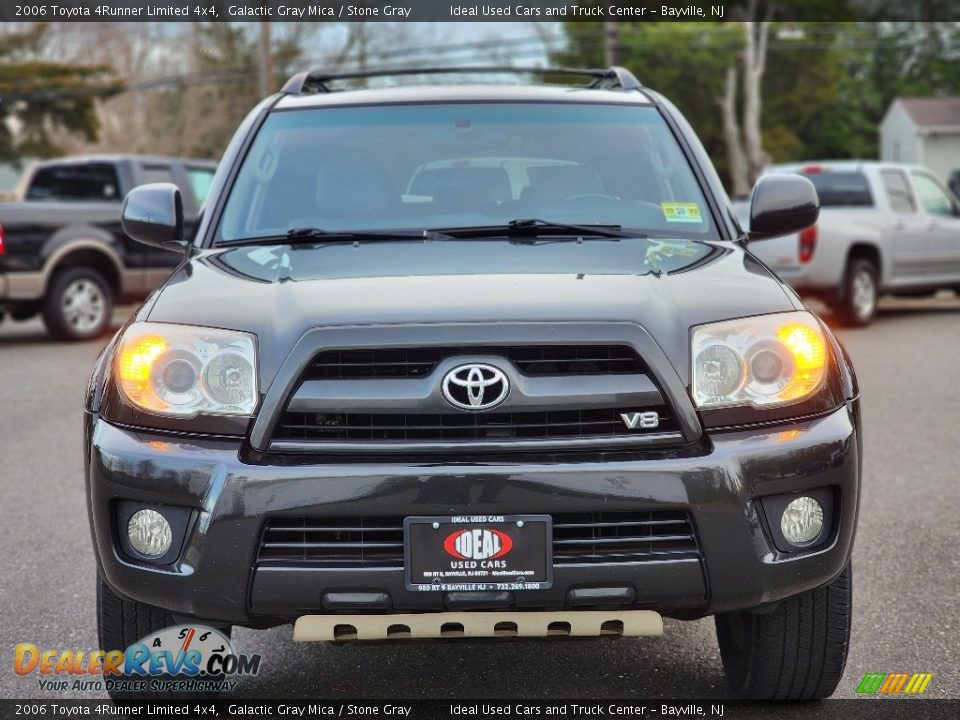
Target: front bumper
point(216, 578)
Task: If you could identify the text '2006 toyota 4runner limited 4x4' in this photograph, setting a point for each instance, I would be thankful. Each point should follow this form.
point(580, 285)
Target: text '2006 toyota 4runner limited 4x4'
point(478, 360)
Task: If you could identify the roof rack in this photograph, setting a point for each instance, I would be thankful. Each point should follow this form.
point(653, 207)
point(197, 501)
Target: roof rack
point(312, 82)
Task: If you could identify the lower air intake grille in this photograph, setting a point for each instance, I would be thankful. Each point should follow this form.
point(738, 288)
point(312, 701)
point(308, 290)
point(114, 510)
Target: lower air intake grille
point(578, 539)
point(341, 543)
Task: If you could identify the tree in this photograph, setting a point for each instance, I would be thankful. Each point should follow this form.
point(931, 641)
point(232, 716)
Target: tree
point(188, 85)
point(745, 153)
point(876, 63)
point(689, 62)
point(196, 113)
point(40, 98)
point(754, 91)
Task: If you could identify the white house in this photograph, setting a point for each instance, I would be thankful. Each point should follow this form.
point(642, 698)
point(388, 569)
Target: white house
point(925, 131)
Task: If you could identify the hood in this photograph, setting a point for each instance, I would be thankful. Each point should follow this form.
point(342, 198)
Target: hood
point(278, 292)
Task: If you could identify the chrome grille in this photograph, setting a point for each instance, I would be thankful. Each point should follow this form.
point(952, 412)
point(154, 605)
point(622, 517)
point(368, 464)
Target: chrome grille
point(394, 400)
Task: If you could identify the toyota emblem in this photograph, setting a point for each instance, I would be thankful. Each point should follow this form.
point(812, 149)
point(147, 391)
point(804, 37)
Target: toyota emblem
point(475, 387)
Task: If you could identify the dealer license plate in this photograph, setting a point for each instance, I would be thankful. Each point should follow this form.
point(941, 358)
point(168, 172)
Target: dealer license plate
point(465, 553)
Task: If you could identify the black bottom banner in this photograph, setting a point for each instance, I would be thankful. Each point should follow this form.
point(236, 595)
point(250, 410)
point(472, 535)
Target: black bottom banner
point(460, 709)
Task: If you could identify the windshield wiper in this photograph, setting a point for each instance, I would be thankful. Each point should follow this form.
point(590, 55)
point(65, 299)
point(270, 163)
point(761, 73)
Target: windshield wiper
point(308, 235)
point(521, 228)
point(535, 227)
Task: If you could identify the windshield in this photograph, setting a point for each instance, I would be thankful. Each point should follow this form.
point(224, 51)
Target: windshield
point(435, 166)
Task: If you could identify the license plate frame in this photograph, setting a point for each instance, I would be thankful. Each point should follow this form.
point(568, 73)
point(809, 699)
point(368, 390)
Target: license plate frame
point(437, 559)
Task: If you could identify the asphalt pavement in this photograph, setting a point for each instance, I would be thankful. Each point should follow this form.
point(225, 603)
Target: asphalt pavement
point(906, 560)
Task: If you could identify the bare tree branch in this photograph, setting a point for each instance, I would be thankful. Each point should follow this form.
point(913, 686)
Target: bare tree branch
point(736, 157)
point(754, 63)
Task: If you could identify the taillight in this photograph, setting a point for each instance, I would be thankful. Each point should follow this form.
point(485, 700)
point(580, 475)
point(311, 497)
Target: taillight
point(808, 243)
point(2, 248)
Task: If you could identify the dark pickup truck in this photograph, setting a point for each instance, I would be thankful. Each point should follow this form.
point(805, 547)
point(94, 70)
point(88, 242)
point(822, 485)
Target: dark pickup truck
point(62, 250)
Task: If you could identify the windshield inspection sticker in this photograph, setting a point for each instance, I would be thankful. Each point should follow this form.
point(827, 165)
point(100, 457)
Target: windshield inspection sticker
point(681, 212)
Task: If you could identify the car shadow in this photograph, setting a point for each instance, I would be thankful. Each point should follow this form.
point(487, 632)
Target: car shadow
point(40, 338)
point(901, 310)
point(890, 309)
point(33, 334)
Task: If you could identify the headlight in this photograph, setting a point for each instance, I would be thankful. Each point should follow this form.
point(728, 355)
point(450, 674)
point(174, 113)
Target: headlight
point(762, 361)
point(183, 371)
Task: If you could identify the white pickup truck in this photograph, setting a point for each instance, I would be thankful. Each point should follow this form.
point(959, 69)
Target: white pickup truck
point(884, 228)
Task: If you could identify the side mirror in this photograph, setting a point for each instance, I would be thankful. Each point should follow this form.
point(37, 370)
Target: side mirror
point(782, 204)
point(153, 214)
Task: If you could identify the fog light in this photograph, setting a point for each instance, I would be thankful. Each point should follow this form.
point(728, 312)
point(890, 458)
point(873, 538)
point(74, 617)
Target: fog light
point(149, 533)
point(802, 521)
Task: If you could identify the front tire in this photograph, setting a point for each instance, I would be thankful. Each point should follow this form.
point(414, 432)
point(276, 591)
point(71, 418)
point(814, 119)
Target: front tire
point(860, 293)
point(120, 623)
point(78, 304)
point(796, 651)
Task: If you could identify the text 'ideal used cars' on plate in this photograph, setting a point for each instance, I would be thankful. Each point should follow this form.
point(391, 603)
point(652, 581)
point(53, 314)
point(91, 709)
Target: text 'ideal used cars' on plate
point(478, 361)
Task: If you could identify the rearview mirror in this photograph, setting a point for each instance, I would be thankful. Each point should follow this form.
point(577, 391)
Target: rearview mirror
point(782, 204)
point(153, 214)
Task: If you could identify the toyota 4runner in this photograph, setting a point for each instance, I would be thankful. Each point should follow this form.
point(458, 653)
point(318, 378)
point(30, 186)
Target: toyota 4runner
point(478, 360)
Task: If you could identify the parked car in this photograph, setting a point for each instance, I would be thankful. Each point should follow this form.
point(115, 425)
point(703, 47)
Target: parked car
point(384, 415)
point(63, 253)
point(883, 228)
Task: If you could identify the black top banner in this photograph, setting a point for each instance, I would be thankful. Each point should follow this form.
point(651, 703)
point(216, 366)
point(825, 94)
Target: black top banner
point(472, 10)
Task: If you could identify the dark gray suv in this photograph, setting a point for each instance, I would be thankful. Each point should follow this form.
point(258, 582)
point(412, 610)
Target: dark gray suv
point(460, 361)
